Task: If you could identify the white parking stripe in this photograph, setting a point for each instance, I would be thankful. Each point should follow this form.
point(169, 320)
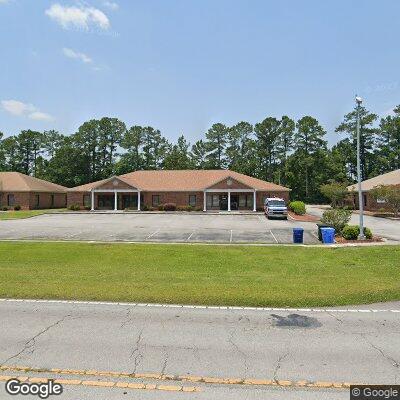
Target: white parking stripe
point(153, 234)
point(276, 240)
point(187, 306)
point(230, 240)
point(190, 236)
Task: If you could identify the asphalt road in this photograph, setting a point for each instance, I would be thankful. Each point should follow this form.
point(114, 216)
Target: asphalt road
point(278, 345)
point(161, 228)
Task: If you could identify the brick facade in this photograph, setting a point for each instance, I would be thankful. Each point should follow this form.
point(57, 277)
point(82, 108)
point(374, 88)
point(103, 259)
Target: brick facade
point(178, 198)
point(33, 200)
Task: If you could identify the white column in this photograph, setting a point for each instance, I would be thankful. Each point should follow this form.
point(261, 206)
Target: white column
point(205, 201)
point(254, 201)
point(115, 200)
point(138, 200)
point(229, 200)
point(92, 196)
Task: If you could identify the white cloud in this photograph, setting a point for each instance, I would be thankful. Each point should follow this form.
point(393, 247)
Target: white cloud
point(40, 116)
point(77, 55)
point(112, 5)
point(78, 16)
point(20, 109)
point(16, 107)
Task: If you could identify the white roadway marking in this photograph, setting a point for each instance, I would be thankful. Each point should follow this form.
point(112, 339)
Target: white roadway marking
point(190, 236)
point(187, 306)
point(276, 240)
point(230, 240)
point(152, 234)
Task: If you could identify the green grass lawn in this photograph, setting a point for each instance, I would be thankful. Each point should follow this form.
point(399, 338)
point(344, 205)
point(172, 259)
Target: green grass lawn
point(27, 213)
point(195, 274)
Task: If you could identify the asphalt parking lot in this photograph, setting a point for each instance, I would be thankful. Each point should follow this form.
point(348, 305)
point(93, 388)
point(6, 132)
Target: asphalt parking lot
point(160, 228)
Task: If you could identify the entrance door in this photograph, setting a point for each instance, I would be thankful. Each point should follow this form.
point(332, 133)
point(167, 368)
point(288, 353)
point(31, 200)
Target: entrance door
point(234, 202)
point(105, 201)
point(129, 201)
point(223, 202)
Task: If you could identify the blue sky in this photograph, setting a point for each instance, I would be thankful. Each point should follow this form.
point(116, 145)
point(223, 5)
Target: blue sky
point(181, 65)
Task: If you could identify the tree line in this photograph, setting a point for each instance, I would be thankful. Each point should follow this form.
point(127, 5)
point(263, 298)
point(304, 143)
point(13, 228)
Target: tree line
point(287, 152)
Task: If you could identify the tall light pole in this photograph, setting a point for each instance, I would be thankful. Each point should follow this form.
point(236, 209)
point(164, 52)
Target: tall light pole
point(361, 235)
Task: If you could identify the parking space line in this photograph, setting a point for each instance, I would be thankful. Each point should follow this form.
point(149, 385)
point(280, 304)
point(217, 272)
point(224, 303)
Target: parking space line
point(276, 240)
point(153, 234)
point(190, 236)
point(230, 240)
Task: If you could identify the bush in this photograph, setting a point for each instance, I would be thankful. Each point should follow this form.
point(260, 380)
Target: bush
point(74, 207)
point(17, 207)
point(5, 208)
point(169, 207)
point(198, 209)
point(152, 209)
point(87, 208)
point(161, 207)
point(336, 193)
point(298, 207)
point(145, 208)
point(184, 208)
point(337, 218)
point(351, 232)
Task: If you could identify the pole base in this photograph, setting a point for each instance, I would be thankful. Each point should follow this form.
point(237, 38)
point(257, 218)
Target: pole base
point(361, 237)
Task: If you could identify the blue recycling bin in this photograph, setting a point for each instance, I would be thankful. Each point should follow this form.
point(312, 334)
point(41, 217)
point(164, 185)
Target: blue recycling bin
point(328, 235)
point(298, 235)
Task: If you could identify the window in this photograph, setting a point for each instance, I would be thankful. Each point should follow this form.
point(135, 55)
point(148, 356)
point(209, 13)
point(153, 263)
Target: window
point(52, 200)
point(155, 200)
point(242, 200)
point(215, 200)
point(192, 200)
point(209, 201)
point(365, 199)
point(10, 200)
point(87, 202)
point(37, 200)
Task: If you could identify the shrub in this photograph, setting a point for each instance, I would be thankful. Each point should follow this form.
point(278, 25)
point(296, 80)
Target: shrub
point(169, 207)
point(145, 208)
point(161, 207)
point(74, 207)
point(152, 209)
point(198, 209)
point(87, 208)
point(390, 194)
point(184, 208)
point(298, 207)
point(351, 232)
point(336, 193)
point(5, 208)
point(17, 207)
point(337, 218)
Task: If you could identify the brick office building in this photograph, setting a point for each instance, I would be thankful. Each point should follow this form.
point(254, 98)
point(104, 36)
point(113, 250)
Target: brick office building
point(29, 193)
point(202, 189)
point(390, 178)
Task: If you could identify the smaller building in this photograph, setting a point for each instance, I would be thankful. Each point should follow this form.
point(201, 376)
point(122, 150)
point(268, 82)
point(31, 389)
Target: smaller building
point(204, 190)
point(30, 193)
point(390, 178)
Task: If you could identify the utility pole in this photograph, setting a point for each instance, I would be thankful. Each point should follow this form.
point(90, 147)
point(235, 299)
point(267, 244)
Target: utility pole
point(361, 235)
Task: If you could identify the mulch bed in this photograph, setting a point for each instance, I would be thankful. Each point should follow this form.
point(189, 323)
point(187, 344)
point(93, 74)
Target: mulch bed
point(303, 218)
point(340, 239)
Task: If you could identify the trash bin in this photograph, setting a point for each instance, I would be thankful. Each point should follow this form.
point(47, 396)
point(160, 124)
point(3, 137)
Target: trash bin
point(328, 235)
point(319, 230)
point(298, 235)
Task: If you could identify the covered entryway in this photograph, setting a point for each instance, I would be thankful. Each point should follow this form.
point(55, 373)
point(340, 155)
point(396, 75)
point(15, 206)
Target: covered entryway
point(115, 194)
point(229, 195)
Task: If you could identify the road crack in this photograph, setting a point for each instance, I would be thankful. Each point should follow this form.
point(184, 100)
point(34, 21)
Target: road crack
point(31, 343)
point(239, 350)
point(136, 353)
point(394, 362)
point(278, 366)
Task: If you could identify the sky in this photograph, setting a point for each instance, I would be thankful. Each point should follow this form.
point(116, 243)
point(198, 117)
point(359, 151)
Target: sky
point(182, 65)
